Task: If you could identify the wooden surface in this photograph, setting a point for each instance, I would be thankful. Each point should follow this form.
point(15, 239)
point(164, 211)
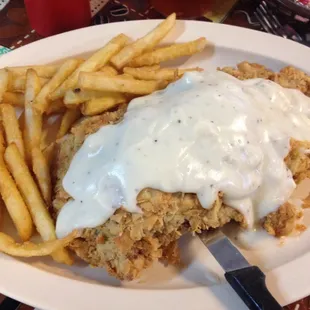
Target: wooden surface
point(15, 31)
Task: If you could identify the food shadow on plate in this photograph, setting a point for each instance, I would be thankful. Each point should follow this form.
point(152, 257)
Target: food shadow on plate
point(194, 267)
point(203, 270)
point(79, 271)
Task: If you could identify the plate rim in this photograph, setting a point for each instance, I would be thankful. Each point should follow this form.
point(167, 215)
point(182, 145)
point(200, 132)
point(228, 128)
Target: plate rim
point(16, 289)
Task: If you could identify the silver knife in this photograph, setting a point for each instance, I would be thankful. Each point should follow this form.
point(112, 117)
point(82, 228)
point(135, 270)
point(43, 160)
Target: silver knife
point(246, 280)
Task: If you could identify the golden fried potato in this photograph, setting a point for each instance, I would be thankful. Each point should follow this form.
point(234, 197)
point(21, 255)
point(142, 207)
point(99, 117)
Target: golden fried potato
point(33, 118)
point(29, 249)
point(41, 101)
point(18, 83)
point(99, 105)
point(15, 99)
point(143, 44)
point(100, 82)
point(70, 116)
point(4, 82)
point(169, 53)
point(31, 194)
point(45, 71)
point(10, 123)
point(93, 63)
point(168, 74)
point(42, 172)
point(13, 200)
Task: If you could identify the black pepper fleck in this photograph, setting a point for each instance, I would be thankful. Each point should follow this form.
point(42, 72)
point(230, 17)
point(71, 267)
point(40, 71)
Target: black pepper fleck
point(81, 201)
point(155, 140)
point(179, 121)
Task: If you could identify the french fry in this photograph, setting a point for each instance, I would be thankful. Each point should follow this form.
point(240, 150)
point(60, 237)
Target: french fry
point(109, 71)
point(169, 53)
point(77, 96)
point(29, 249)
point(4, 82)
point(99, 105)
point(70, 116)
point(126, 76)
point(143, 44)
point(13, 200)
point(33, 118)
point(168, 74)
point(15, 204)
point(41, 101)
point(1, 212)
point(33, 199)
point(18, 83)
point(15, 99)
point(42, 173)
point(93, 63)
point(96, 81)
point(56, 106)
point(30, 192)
point(10, 123)
point(45, 71)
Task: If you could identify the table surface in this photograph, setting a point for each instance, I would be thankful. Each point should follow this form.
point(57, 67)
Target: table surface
point(15, 31)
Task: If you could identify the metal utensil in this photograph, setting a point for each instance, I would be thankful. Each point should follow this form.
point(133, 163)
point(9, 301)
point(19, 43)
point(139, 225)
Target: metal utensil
point(246, 280)
point(271, 24)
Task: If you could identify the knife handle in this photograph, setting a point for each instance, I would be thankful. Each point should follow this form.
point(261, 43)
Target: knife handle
point(249, 284)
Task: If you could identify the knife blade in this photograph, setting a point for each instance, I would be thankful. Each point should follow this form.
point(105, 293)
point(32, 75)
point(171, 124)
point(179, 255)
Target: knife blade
point(246, 280)
point(226, 254)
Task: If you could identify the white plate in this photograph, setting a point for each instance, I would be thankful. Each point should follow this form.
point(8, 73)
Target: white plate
point(47, 285)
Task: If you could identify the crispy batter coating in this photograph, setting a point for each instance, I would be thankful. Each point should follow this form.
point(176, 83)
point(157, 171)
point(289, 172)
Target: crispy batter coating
point(128, 243)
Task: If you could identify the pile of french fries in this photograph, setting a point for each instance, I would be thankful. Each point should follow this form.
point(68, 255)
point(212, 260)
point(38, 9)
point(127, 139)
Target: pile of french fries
point(113, 75)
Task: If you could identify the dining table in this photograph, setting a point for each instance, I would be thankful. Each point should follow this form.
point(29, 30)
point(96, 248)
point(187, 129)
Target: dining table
point(16, 31)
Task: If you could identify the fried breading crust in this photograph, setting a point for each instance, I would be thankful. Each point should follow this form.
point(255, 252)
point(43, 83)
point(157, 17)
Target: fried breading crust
point(282, 222)
point(128, 243)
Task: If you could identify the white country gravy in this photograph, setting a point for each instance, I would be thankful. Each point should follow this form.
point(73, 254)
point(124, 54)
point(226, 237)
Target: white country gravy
point(207, 132)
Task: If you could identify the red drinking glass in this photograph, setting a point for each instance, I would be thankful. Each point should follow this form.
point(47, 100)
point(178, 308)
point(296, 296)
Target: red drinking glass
point(49, 17)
